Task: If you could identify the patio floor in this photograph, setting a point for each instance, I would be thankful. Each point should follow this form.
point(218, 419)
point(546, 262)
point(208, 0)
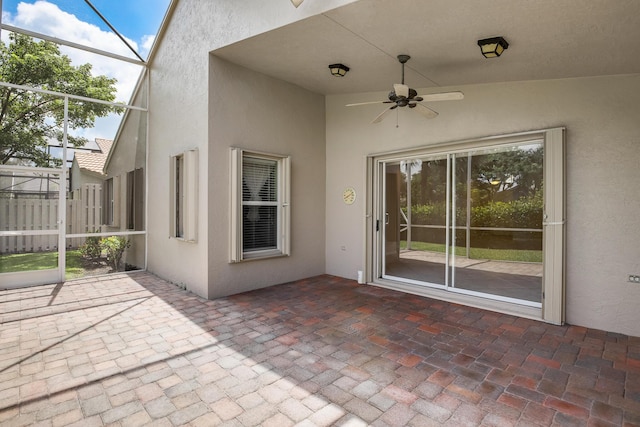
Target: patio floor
point(132, 349)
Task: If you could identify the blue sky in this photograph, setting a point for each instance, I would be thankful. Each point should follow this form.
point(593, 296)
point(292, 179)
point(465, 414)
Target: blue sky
point(134, 19)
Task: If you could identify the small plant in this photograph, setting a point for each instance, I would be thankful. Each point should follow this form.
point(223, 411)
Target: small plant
point(114, 247)
point(92, 249)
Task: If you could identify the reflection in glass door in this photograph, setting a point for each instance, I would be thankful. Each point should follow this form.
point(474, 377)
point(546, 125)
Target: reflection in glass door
point(470, 222)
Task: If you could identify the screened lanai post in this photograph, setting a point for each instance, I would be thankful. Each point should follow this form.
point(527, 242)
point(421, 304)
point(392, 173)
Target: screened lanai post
point(409, 167)
point(468, 219)
point(62, 197)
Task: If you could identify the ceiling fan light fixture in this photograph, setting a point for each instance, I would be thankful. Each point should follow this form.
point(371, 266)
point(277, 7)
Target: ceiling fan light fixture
point(338, 70)
point(492, 47)
point(296, 3)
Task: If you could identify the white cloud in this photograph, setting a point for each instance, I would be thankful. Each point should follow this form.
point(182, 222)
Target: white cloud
point(147, 42)
point(47, 18)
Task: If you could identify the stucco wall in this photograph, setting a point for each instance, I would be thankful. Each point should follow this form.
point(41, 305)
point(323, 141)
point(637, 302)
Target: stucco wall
point(252, 111)
point(603, 154)
point(127, 154)
point(179, 97)
point(177, 122)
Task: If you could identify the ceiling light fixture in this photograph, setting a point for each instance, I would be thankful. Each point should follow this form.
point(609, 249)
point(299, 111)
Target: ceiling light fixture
point(492, 47)
point(338, 70)
point(297, 3)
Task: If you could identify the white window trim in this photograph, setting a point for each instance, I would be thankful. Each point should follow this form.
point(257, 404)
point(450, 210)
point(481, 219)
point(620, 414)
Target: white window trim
point(189, 192)
point(236, 252)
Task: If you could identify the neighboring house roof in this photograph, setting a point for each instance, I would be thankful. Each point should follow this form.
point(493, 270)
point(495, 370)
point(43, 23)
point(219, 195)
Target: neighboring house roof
point(94, 162)
point(105, 145)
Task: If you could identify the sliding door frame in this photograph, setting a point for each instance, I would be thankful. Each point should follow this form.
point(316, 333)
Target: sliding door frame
point(553, 281)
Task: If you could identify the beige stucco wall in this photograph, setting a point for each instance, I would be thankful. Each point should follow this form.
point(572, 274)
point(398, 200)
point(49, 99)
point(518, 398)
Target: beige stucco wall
point(179, 120)
point(267, 115)
point(603, 154)
point(127, 154)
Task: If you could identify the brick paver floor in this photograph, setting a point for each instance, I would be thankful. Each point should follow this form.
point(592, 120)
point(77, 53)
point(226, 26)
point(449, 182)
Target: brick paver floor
point(133, 350)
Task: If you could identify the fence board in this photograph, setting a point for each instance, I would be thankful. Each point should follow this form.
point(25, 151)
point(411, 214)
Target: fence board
point(83, 215)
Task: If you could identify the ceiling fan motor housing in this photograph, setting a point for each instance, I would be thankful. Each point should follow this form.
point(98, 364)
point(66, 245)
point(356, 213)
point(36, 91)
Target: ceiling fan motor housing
point(400, 100)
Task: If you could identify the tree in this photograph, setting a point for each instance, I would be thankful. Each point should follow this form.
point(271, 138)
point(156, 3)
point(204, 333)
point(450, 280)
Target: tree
point(516, 170)
point(28, 120)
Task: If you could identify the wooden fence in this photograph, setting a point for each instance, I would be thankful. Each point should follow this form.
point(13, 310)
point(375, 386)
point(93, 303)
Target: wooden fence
point(84, 213)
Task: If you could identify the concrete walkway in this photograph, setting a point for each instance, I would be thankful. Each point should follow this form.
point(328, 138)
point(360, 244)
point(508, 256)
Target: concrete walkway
point(135, 350)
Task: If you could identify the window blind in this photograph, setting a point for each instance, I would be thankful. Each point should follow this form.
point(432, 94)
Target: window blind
point(259, 204)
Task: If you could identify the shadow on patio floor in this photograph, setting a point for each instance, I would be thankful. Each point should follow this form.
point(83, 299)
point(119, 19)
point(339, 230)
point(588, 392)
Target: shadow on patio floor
point(131, 349)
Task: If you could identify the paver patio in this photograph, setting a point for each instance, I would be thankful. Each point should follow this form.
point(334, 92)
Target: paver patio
point(132, 349)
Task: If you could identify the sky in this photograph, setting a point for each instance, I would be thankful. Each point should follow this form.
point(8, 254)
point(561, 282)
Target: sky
point(137, 20)
point(73, 20)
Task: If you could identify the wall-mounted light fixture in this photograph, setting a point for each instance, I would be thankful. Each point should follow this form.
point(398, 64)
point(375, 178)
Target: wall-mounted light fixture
point(297, 3)
point(492, 47)
point(338, 70)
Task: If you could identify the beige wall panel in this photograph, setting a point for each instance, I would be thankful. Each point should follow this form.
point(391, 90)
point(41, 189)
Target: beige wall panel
point(255, 112)
point(603, 154)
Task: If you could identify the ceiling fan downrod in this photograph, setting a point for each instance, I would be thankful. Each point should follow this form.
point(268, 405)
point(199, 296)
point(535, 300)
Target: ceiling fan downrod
point(403, 60)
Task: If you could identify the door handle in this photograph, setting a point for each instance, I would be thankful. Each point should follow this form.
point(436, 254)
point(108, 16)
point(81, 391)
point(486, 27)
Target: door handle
point(386, 218)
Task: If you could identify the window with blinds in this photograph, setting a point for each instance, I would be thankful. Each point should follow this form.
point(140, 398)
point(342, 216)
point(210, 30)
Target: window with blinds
point(259, 204)
point(259, 220)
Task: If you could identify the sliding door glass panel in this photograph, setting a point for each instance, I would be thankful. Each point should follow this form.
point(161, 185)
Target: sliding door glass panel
point(459, 203)
point(415, 205)
point(503, 245)
point(471, 221)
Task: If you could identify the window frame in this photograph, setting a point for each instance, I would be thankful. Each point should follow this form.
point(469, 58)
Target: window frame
point(135, 200)
point(183, 196)
point(111, 195)
point(237, 253)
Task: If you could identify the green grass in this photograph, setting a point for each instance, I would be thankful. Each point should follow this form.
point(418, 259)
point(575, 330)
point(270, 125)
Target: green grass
point(520, 255)
point(42, 261)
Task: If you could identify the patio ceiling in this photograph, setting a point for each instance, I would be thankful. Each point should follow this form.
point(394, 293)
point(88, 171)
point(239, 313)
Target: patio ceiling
point(548, 39)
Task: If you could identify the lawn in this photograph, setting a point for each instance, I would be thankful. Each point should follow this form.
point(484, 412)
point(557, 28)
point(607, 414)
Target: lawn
point(519, 255)
point(75, 266)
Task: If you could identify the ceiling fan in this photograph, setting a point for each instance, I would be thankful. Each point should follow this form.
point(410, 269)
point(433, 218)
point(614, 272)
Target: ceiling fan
point(404, 96)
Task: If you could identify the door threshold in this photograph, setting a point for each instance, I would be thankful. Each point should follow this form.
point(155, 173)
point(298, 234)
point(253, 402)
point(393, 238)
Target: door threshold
point(514, 309)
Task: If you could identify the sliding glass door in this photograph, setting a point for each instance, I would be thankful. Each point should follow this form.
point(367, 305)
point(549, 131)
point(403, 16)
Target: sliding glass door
point(466, 221)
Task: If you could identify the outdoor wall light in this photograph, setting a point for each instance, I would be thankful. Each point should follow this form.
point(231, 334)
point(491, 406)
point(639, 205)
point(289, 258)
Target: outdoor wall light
point(492, 47)
point(297, 3)
point(338, 70)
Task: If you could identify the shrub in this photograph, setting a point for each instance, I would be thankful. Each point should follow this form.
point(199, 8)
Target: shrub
point(525, 212)
point(91, 249)
point(115, 246)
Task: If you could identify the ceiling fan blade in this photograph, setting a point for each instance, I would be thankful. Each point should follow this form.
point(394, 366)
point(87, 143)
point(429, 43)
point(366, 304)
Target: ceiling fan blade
point(367, 103)
point(425, 111)
point(401, 90)
point(444, 96)
point(382, 115)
